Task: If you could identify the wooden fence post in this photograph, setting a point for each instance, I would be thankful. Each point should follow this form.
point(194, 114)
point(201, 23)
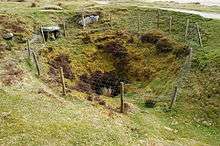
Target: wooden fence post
point(158, 19)
point(42, 33)
point(62, 81)
point(64, 28)
point(28, 48)
point(36, 63)
point(170, 24)
point(187, 29)
point(174, 97)
point(199, 35)
point(122, 98)
point(110, 18)
point(83, 21)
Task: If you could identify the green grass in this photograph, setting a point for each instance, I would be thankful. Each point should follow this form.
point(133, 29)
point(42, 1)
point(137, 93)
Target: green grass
point(44, 121)
point(35, 118)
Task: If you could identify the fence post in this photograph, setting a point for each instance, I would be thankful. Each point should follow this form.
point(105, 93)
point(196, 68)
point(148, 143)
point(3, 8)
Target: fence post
point(187, 29)
point(174, 97)
point(158, 19)
point(122, 98)
point(83, 21)
point(64, 28)
point(199, 35)
point(28, 48)
point(110, 18)
point(42, 33)
point(170, 24)
point(62, 81)
point(36, 63)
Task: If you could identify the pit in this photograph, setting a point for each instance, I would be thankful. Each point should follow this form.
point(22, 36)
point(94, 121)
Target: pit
point(133, 59)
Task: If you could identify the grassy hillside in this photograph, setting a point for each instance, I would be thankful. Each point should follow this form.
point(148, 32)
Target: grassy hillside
point(34, 112)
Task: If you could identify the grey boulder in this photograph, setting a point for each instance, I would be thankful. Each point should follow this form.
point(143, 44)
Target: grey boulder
point(8, 36)
point(89, 20)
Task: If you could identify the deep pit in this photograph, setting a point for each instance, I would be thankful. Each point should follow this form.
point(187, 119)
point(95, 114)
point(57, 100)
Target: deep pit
point(130, 63)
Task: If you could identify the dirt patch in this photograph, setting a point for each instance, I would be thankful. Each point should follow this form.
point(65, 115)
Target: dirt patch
point(61, 61)
point(98, 81)
point(164, 44)
point(13, 74)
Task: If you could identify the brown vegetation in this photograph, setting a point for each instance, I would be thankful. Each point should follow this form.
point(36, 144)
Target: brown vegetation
point(61, 61)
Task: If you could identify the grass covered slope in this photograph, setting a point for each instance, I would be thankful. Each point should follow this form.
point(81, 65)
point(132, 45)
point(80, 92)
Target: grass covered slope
point(32, 110)
point(42, 120)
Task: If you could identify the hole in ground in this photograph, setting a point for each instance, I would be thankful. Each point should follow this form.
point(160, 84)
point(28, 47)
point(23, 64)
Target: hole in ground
point(107, 83)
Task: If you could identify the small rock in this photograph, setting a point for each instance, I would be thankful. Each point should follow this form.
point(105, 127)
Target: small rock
point(51, 28)
point(89, 20)
point(8, 36)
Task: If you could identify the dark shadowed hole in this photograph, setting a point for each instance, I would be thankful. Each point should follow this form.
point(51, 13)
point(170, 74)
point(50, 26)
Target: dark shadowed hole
point(98, 81)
